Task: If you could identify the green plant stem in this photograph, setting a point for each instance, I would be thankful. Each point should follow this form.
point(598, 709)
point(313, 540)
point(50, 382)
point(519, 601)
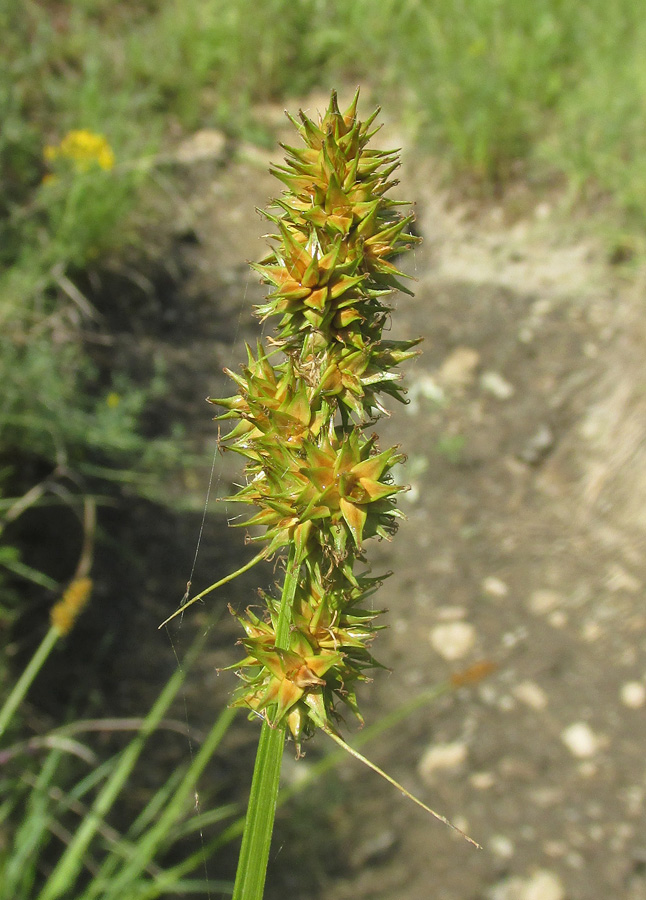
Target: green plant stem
point(261, 811)
point(70, 863)
point(148, 844)
point(314, 772)
point(23, 684)
point(259, 557)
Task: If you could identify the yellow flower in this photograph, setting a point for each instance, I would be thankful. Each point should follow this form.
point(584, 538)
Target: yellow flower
point(113, 400)
point(84, 149)
point(63, 614)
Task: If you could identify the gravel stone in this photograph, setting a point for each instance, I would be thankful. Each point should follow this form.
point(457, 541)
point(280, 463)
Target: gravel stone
point(633, 694)
point(482, 781)
point(458, 369)
point(580, 740)
point(206, 144)
point(543, 885)
point(495, 587)
point(531, 694)
point(453, 640)
point(441, 758)
point(544, 601)
point(493, 383)
point(538, 446)
point(501, 845)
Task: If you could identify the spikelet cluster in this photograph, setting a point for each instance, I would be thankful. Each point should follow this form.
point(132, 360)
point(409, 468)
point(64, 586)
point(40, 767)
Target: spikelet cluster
point(304, 402)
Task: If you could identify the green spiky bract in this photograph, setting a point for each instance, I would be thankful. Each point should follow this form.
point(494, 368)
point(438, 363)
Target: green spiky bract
point(318, 481)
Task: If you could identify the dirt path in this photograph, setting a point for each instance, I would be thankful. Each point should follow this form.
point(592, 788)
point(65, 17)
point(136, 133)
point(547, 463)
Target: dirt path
point(524, 544)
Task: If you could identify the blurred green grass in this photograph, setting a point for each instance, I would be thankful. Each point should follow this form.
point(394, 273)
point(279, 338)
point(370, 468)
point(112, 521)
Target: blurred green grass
point(488, 83)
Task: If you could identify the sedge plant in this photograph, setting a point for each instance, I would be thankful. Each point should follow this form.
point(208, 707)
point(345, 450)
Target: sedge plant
point(301, 418)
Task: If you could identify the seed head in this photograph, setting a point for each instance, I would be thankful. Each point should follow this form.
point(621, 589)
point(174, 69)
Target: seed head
point(318, 482)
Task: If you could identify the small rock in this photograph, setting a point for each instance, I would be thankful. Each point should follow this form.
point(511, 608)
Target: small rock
point(543, 885)
point(544, 601)
point(495, 587)
point(538, 446)
point(506, 703)
point(458, 369)
point(208, 143)
point(580, 740)
point(591, 631)
point(482, 781)
point(557, 619)
point(618, 579)
point(493, 383)
point(501, 845)
point(453, 640)
point(531, 694)
point(440, 758)
point(633, 694)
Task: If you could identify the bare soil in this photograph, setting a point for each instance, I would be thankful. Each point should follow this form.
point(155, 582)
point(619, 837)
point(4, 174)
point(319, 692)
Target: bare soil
point(524, 545)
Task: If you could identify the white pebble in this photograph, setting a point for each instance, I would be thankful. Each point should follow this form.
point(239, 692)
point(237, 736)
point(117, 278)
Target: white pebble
point(633, 694)
point(531, 694)
point(453, 640)
point(202, 145)
point(495, 587)
point(580, 740)
point(543, 885)
point(459, 367)
point(591, 631)
point(482, 781)
point(494, 383)
point(441, 758)
point(557, 619)
point(544, 601)
point(501, 845)
point(618, 579)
